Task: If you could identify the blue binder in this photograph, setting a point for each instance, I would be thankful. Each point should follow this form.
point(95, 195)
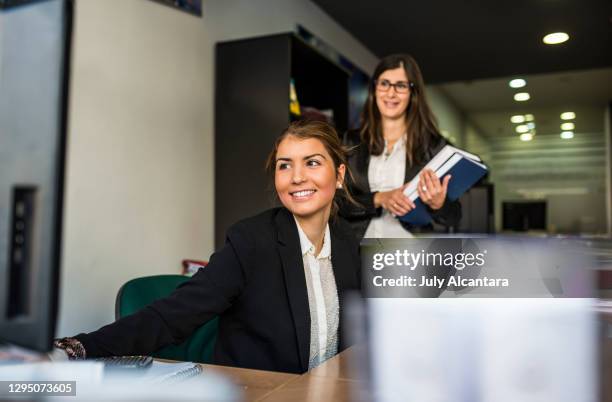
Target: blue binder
point(465, 173)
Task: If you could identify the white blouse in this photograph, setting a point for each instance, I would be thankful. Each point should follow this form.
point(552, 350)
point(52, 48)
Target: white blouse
point(386, 172)
point(322, 299)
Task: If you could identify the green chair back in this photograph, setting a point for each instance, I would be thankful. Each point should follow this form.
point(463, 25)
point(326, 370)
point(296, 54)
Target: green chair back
point(138, 293)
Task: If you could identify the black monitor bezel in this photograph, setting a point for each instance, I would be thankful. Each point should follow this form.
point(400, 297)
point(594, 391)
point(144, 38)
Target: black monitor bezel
point(40, 330)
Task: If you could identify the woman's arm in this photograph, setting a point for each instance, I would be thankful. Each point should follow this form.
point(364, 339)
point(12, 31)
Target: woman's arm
point(449, 214)
point(434, 196)
point(173, 319)
point(364, 210)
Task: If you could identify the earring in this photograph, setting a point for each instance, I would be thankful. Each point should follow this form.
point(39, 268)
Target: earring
point(339, 185)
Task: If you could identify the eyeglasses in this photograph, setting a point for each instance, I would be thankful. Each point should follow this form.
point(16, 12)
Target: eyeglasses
point(401, 87)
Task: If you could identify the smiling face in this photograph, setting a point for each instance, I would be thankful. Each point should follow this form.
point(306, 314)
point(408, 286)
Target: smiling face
point(305, 177)
point(392, 105)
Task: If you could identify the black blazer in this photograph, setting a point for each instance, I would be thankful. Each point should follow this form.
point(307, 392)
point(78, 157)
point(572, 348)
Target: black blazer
point(255, 284)
point(359, 216)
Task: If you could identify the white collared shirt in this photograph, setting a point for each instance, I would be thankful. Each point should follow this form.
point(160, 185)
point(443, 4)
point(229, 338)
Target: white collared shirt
point(387, 172)
point(322, 299)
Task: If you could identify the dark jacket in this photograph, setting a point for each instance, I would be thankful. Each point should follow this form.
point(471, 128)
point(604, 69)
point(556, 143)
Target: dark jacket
point(257, 287)
point(359, 216)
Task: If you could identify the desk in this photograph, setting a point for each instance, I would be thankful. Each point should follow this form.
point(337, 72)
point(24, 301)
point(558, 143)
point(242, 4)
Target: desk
point(335, 379)
point(331, 381)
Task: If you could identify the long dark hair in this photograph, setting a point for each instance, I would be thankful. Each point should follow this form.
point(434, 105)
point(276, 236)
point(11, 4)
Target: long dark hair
point(421, 124)
point(324, 132)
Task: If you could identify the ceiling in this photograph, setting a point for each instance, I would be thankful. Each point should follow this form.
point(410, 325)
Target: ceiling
point(489, 103)
point(472, 39)
point(470, 49)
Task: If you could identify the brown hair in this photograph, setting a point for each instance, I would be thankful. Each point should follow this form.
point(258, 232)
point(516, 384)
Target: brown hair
point(327, 135)
point(421, 124)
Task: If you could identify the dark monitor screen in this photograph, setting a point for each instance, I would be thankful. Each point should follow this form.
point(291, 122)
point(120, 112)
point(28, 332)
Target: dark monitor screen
point(524, 216)
point(34, 45)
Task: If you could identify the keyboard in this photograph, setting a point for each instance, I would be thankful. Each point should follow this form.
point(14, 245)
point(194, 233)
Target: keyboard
point(126, 362)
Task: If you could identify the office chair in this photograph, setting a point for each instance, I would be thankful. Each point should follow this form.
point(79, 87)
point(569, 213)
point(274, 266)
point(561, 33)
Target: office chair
point(139, 292)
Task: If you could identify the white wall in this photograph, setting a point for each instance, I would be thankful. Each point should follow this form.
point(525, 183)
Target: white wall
point(450, 118)
point(455, 125)
point(139, 189)
point(475, 142)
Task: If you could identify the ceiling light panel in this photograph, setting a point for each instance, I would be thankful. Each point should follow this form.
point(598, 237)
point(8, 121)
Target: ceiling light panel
point(522, 128)
point(567, 126)
point(555, 38)
point(517, 83)
point(521, 96)
point(568, 116)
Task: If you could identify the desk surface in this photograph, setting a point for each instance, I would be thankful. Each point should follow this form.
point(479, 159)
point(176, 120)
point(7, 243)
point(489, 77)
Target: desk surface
point(331, 381)
point(335, 380)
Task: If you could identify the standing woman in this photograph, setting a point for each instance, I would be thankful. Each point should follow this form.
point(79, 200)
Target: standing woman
point(277, 283)
point(397, 138)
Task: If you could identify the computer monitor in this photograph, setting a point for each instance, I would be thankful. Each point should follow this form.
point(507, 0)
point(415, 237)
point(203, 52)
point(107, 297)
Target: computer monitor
point(34, 56)
point(524, 215)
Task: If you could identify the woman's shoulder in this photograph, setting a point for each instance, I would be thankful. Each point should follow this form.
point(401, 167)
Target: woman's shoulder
point(352, 137)
point(357, 150)
point(437, 143)
point(342, 228)
point(258, 224)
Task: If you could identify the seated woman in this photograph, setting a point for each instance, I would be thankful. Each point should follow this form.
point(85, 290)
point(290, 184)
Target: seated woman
point(277, 283)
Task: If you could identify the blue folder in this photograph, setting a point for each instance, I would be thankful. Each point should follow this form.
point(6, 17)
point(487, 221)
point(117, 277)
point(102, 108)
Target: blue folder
point(465, 173)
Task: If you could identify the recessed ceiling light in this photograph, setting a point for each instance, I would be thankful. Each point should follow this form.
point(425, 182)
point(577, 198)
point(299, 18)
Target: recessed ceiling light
point(517, 83)
point(526, 137)
point(566, 135)
point(567, 126)
point(555, 38)
point(521, 96)
point(568, 116)
point(522, 128)
point(528, 117)
point(516, 119)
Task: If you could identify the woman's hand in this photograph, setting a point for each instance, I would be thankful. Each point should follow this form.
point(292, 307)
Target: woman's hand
point(394, 201)
point(431, 191)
